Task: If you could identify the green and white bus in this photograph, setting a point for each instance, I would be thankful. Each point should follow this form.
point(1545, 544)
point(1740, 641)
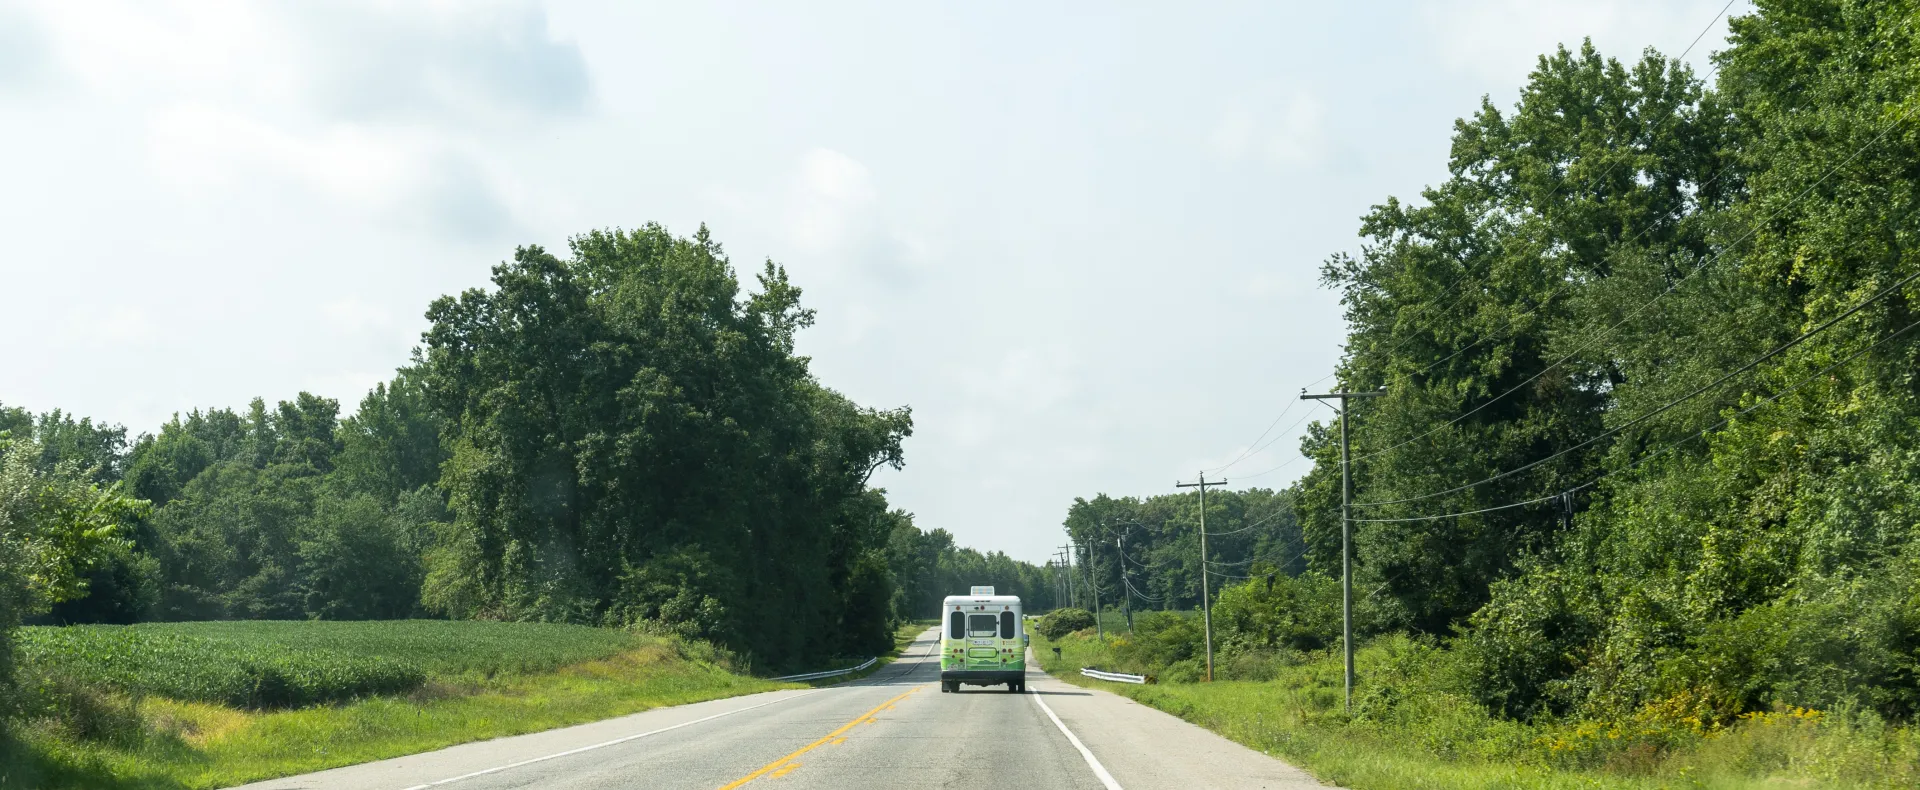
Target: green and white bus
point(983, 641)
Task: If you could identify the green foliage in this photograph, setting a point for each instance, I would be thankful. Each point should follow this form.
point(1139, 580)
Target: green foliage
point(1161, 539)
point(229, 672)
point(1559, 499)
point(55, 525)
point(927, 567)
point(634, 438)
point(437, 647)
point(1278, 613)
point(487, 680)
point(1061, 622)
point(1414, 725)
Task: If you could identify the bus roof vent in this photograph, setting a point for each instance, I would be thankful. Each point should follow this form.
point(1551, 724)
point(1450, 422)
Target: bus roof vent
point(983, 591)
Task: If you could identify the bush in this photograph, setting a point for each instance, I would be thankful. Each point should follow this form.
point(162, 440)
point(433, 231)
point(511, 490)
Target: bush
point(1162, 639)
point(1523, 647)
point(1060, 622)
point(1291, 612)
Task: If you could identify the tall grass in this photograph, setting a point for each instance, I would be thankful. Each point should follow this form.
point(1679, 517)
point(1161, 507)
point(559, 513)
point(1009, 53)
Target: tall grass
point(1408, 729)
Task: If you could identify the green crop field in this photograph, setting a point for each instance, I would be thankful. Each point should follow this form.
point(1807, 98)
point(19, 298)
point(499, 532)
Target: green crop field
point(269, 664)
point(213, 704)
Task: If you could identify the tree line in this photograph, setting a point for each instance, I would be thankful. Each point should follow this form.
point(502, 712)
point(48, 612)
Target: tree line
point(1146, 550)
point(622, 437)
point(1649, 358)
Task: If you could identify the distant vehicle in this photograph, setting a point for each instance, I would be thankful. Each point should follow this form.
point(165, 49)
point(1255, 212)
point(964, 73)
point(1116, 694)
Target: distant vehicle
point(983, 641)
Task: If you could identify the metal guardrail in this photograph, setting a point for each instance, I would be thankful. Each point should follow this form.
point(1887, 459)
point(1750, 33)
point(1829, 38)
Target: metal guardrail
point(831, 673)
point(1117, 677)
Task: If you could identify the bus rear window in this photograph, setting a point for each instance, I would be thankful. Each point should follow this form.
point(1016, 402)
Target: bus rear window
point(1006, 625)
point(982, 626)
point(957, 626)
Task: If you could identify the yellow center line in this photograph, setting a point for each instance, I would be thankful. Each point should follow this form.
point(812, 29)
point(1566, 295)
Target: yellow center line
point(769, 767)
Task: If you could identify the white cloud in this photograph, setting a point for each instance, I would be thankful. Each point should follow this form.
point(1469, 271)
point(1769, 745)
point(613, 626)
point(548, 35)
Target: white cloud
point(831, 202)
point(380, 107)
point(23, 51)
point(1026, 380)
point(388, 175)
point(1233, 136)
point(355, 316)
point(827, 214)
point(1286, 132)
point(1502, 40)
point(115, 327)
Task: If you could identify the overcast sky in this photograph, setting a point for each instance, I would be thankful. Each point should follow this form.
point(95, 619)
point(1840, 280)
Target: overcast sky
point(1081, 241)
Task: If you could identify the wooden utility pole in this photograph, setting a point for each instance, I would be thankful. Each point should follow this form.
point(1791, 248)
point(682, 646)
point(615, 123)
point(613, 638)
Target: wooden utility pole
point(1346, 531)
point(1093, 581)
point(1126, 586)
point(1067, 564)
point(1206, 604)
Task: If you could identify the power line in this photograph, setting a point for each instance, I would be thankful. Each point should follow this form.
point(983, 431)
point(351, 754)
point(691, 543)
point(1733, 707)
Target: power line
point(1256, 439)
point(1611, 167)
point(1664, 449)
point(1703, 31)
point(1464, 274)
point(1650, 302)
point(1277, 512)
point(1462, 277)
point(1663, 408)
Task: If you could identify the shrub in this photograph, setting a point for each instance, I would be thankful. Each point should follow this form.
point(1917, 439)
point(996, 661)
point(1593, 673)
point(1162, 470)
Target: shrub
point(1162, 639)
point(1060, 622)
point(1523, 647)
point(1291, 612)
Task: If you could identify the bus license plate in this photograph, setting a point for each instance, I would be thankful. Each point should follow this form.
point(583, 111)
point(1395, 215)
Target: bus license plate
point(982, 643)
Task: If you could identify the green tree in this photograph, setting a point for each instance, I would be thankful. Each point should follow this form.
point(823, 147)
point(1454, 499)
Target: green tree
point(627, 425)
point(54, 524)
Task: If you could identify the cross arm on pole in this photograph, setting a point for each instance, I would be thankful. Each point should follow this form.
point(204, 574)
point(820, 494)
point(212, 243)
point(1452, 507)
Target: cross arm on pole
point(1342, 395)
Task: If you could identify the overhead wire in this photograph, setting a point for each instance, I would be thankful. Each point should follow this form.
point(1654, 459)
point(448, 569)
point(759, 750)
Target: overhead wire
point(1712, 69)
point(1888, 127)
point(1666, 448)
point(1459, 279)
point(1663, 408)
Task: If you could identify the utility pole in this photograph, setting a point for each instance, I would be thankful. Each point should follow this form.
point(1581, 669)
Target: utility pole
point(1346, 530)
point(1067, 567)
point(1126, 586)
point(1206, 604)
point(1066, 580)
point(1093, 580)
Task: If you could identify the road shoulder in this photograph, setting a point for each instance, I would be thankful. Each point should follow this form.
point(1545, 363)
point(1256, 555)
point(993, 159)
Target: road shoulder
point(429, 769)
point(1146, 748)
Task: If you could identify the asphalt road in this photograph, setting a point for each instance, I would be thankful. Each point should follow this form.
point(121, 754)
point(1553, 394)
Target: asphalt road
point(892, 730)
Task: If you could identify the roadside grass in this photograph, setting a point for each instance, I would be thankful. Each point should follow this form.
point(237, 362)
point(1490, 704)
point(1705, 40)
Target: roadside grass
point(89, 735)
point(102, 721)
point(902, 637)
point(1402, 736)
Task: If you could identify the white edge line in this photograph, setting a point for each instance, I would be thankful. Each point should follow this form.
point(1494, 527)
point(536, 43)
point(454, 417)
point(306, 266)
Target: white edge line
point(616, 741)
point(1099, 771)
